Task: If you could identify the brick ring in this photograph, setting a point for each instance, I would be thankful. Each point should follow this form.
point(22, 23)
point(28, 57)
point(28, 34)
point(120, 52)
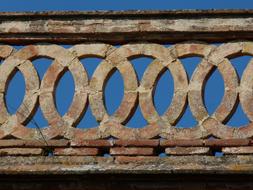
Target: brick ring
point(98, 50)
point(220, 58)
point(194, 90)
point(8, 69)
point(63, 61)
point(115, 60)
point(147, 87)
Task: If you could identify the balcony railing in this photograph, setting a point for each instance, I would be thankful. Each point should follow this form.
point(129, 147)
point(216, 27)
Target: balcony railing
point(117, 38)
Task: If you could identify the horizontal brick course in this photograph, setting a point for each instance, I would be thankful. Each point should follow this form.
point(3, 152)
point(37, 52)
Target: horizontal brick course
point(92, 143)
point(137, 143)
point(184, 143)
point(131, 151)
point(187, 151)
point(135, 159)
point(76, 151)
point(238, 150)
point(33, 143)
point(227, 142)
point(20, 151)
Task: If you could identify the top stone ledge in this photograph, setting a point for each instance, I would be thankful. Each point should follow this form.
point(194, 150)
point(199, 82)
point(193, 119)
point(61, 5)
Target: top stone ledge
point(186, 12)
point(117, 27)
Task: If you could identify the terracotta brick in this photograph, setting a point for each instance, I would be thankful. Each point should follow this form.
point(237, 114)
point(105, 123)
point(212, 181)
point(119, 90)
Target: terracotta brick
point(20, 151)
point(76, 151)
point(238, 150)
point(187, 150)
point(135, 159)
point(33, 143)
point(226, 142)
point(92, 143)
point(184, 143)
point(131, 151)
point(5, 51)
point(136, 143)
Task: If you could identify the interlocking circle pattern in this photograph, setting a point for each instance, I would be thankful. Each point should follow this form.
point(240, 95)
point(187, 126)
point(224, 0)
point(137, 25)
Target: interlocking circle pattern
point(91, 92)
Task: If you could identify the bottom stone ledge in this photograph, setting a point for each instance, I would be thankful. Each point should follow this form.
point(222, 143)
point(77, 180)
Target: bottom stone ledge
point(127, 182)
point(61, 165)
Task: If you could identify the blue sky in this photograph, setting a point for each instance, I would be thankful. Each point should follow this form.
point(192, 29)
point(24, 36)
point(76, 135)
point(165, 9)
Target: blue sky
point(114, 88)
point(43, 5)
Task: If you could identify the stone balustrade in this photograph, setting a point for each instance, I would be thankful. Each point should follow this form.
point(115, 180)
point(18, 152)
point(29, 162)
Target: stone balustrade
point(160, 147)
